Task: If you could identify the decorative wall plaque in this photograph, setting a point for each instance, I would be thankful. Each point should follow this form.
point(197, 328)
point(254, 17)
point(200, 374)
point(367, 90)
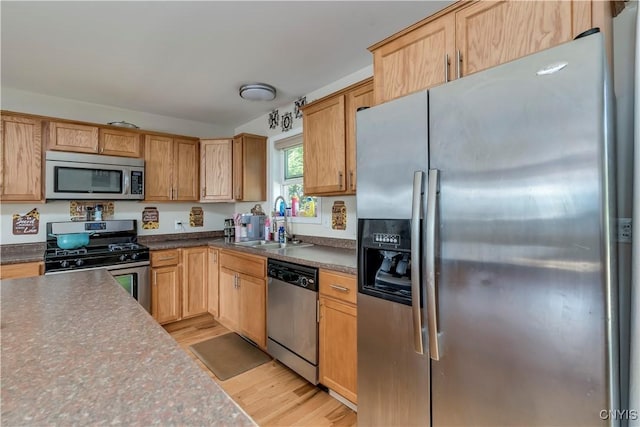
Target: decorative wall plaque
point(339, 215)
point(196, 217)
point(297, 104)
point(287, 122)
point(28, 223)
point(274, 119)
point(150, 218)
point(78, 209)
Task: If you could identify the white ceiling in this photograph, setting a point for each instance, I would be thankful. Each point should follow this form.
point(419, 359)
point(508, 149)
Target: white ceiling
point(187, 59)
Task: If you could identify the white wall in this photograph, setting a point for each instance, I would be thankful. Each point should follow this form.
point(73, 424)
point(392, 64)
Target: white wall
point(214, 215)
point(34, 103)
point(260, 126)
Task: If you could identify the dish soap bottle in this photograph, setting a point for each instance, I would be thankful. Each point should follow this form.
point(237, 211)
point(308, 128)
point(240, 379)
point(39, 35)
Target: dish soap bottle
point(282, 239)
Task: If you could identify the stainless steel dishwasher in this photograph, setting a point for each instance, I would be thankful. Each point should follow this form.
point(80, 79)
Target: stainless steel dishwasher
point(292, 317)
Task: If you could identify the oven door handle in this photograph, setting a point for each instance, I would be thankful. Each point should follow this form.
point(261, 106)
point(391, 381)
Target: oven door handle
point(112, 267)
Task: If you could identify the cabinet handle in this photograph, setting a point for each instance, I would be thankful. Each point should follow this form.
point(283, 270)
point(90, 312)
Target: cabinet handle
point(101, 149)
point(351, 184)
point(458, 62)
point(203, 191)
point(340, 179)
point(339, 288)
point(215, 257)
point(446, 68)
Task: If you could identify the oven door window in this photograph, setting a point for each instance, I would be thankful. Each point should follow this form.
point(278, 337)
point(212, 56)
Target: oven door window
point(80, 180)
point(129, 283)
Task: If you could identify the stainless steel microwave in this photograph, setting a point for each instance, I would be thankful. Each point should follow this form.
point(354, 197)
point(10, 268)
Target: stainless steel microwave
point(73, 176)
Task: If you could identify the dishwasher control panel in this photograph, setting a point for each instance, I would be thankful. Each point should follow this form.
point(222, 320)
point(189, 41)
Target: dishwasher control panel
point(294, 274)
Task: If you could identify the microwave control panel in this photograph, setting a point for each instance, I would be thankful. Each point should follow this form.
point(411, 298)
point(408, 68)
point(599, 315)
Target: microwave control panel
point(137, 184)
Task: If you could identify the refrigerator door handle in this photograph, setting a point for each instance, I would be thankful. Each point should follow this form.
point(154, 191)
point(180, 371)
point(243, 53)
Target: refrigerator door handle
point(416, 217)
point(430, 264)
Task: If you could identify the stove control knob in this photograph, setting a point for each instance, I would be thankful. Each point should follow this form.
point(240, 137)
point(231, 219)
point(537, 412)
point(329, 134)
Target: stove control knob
point(123, 257)
point(135, 255)
point(64, 264)
point(79, 262)
point(303, 282)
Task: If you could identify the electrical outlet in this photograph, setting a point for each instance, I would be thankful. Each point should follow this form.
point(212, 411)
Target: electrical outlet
point(178, 225)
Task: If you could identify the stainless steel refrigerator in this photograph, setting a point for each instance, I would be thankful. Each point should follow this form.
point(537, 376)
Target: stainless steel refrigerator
point(486, 261)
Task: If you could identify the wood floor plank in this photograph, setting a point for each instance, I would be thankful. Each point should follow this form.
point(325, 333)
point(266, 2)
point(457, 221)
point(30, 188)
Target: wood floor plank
point(272, 394)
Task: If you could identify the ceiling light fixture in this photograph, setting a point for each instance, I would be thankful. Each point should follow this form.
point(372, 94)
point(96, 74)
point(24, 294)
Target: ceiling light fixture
point(257, 92)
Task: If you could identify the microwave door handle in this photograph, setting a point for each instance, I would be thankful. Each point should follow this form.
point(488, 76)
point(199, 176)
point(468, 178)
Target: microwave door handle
point(416, 219)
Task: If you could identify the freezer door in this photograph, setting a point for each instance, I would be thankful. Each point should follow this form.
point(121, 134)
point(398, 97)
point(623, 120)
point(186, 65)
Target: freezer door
point(525, 287)
point(393, 380)
point(391, 147)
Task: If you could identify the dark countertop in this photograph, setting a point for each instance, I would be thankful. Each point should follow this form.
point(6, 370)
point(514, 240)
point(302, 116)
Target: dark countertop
point(328, 257)
point(321, 256)
point(78, 350)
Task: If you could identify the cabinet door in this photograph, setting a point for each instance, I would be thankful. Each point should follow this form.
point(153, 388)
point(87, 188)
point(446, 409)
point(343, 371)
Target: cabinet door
point(253, 309)
point(158, 158)
point(338, 347)
point(165, 294)
point(238, 152)
point(73, 137)
point(194, 281)
point(114, 142)
point(254, 168)
point(185, 170)
point(229, 299)
point(212, 292)
point(415, 61)
point(216, 170)
point(324, 146)
point(21, 161)
point(491, 33)
point(359, 97)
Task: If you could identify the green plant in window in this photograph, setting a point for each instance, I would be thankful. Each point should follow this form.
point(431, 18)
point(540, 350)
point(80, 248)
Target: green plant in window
point(293, 162)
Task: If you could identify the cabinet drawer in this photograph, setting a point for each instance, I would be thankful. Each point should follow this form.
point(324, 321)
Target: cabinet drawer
point(165, 257)
point(243, 263)
point(25, 269)
point(338, 285)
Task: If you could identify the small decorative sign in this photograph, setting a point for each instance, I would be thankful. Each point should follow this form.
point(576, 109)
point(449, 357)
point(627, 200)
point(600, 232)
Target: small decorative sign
point(297, 104)
point(274, 119)
point(196, 217)
point(28, 223)
point(339, 215)
point(287, 122)
point(150, 218)
point(78, 209)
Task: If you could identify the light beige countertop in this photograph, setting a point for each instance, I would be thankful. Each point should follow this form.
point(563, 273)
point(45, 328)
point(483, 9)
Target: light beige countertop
point(78, 350)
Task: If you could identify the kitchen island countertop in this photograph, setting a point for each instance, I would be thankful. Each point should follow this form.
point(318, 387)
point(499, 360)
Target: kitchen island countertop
point(78, 350)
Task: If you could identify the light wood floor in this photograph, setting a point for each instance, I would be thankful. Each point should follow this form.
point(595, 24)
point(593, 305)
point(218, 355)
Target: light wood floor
point(271, 394)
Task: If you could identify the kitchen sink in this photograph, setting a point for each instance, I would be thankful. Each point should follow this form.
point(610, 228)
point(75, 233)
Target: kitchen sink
point(261, 244)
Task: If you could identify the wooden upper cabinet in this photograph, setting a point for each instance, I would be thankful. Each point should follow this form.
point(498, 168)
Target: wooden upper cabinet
point(185, 170)
point(21, 161)
point(115, 142)
point(324, 146)
point(158, 157)
point(329, 133)
point(419, 60)
point(73, 137)
point(360, 97)
point(468, 37)
point(492, 33)
point(216, 170)
point(171, 168)
point(249, 167)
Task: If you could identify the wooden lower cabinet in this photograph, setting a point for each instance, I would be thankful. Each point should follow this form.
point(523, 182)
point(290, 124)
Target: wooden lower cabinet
point(213, 283)
point(165, 293)
point(243, 295)
point(23, 269)
point(179, 283)
point(338, 334)
point(194, 281)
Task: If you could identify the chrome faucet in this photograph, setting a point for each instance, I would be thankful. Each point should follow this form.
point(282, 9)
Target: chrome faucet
point(275, 209)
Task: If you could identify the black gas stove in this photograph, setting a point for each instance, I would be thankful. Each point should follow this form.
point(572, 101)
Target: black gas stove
point(110, 243)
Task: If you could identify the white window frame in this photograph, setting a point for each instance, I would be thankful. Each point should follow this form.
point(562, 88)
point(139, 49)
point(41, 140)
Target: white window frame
point(280, 143)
